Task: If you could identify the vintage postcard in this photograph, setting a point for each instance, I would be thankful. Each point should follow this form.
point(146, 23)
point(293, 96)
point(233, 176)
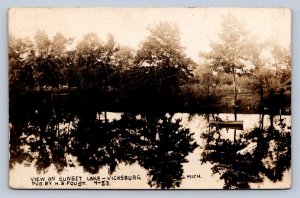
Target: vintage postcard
point(150, 98)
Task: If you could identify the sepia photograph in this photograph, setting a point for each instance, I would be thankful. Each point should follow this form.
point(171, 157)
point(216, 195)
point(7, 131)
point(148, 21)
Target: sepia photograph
point(149, 98)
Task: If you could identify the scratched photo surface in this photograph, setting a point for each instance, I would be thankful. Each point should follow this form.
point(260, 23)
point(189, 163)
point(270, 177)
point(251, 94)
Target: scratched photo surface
point(150, 98)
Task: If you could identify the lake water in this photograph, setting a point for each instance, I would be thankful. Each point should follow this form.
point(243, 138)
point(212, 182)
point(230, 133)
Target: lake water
point(196, 175)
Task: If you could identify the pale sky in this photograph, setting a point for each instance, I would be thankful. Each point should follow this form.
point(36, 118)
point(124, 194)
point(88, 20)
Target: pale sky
point(198, 26)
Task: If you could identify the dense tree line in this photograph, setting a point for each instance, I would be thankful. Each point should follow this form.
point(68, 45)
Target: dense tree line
point(158, 76)
point(119, 77)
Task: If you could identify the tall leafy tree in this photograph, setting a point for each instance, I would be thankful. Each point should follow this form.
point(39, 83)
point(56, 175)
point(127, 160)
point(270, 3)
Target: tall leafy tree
point(94, 60)
point(21, 78)
point(21, 54)
point(268, 78)
point(48, 61)
point(162, 48)
point(227, 53)
point(87, 60)
point(161, 67)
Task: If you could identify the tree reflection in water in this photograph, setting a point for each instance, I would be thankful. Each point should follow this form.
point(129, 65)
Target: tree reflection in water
point(162, 146)
point(258, 154)
point(157, 143)
point(40, 138)
point(154, 140)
